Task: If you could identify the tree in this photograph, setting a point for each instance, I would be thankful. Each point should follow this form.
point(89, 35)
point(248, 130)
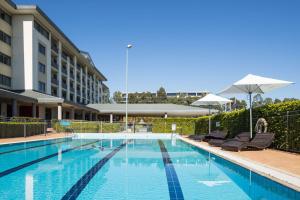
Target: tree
point(257, 100)
point(277, 101)
point(117, 97)
point(289, 99)
point(161, 96)
point(238, 104)
point(268, 100)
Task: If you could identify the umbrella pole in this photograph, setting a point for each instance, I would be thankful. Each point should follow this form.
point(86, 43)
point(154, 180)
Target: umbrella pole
point(250, 96)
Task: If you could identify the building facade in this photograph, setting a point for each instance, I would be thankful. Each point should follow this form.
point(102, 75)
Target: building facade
point(39, 61)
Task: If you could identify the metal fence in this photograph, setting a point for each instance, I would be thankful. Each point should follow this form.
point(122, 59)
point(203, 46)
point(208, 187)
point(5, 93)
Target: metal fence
point(285, 125)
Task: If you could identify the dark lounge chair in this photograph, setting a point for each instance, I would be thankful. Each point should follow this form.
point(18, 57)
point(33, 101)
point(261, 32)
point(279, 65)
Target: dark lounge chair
point(215, 135)
point(197, 137)
point(259, 142)
point(242, 137)
point(217, 138)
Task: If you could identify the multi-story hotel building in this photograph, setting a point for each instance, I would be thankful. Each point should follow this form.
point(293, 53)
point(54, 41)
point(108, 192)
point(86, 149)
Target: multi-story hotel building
point(42, 73)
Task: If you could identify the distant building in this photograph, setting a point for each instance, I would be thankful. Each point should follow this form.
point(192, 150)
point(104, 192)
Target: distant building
point(173, 94)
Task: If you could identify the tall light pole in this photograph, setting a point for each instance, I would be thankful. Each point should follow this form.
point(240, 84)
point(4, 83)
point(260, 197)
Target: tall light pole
point(126, 85)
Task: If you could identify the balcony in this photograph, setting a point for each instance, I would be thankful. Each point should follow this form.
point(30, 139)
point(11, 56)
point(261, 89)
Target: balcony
point(64, 85)
point(64, 70)
point(64, 56)
point(72, 75)
point(54, 48)
point(54, 81)
point(54, 64)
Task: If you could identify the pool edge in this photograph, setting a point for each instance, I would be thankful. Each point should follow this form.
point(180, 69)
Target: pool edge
point(276, 175)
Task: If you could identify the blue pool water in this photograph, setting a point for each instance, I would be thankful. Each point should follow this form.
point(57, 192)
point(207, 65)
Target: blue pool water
point(134, 169)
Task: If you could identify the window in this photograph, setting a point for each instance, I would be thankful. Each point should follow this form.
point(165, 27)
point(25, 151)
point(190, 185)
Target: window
point(41, 30)
point(42, 86)
point(4, 16)
point(5, 59)
point(42, 49)
point(5, 80)
point(42, 68)
point(5, 38)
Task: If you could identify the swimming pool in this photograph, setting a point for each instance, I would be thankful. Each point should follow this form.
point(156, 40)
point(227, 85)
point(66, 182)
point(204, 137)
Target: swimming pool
point(132, 169)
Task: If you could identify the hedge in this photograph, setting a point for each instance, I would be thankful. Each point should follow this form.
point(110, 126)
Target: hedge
point(283, 119)
point(21, 129)
point(89, 127)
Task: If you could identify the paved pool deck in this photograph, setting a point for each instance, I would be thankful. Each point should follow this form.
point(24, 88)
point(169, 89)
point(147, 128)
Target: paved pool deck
point(33, 138)
point(283, 167)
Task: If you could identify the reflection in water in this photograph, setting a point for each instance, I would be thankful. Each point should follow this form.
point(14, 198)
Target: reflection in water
point(29, 186)
point(59, 152)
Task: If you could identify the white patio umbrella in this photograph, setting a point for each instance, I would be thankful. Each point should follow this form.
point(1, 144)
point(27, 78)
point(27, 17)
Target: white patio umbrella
point(210, 100)
point(251, 84)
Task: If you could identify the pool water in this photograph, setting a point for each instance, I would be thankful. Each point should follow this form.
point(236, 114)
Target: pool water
point(132, 169)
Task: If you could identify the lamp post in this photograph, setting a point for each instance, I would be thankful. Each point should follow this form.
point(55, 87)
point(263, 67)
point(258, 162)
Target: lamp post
point(126, 85)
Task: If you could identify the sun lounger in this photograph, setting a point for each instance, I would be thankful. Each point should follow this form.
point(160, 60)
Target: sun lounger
point(215, 135)
point(259, 142)
point(243, 137)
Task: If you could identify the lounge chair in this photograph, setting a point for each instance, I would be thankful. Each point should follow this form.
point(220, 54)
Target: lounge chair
point(215, 135)
point(217, 138)
point(259, 142)
point(243, 137)
point(197, 137)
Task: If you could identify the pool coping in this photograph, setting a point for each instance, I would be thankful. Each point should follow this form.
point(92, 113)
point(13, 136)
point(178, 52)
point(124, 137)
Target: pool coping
point(35, 140)
point(284, 178)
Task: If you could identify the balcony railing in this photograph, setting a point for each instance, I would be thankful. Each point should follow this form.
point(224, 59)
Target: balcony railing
point(64, 85)
point(72, 75)
point(64, 56)
point(54, 48)
point(64, 70)
point(54, 81)
point(54, 64)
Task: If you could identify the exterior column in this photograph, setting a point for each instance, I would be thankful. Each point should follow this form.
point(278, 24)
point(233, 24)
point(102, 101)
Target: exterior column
point(34, 110)
point(75, 79)
point(42, 112)
point(59, 112)
point(86, 82)
point(72, 114)
point(3, 109)
point(14, 108)
point(59, 70)
point(68, 78)
point(111, 118)
point(81, 85)
point(91, 116)
point(83, 115)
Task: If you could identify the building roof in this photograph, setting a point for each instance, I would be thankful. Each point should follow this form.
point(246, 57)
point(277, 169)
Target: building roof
point(13, 95)
point(41, 97)
point(150, 109)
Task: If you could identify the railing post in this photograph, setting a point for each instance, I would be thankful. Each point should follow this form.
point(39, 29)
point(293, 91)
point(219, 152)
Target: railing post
point(101, 127)
point(24, 130)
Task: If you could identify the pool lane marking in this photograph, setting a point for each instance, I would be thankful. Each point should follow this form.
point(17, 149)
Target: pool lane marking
point(33, 147)
point(175, 191)
point(22, 166)
point(79, 186)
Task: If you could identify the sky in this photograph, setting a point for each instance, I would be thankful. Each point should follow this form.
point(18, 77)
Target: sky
point(184, 45)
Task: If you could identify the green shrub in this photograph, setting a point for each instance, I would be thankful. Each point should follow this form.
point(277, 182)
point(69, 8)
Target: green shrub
point(286, 128)
point(21, 129)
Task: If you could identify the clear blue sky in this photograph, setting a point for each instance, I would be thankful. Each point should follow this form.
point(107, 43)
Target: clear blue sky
point(185, 45)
